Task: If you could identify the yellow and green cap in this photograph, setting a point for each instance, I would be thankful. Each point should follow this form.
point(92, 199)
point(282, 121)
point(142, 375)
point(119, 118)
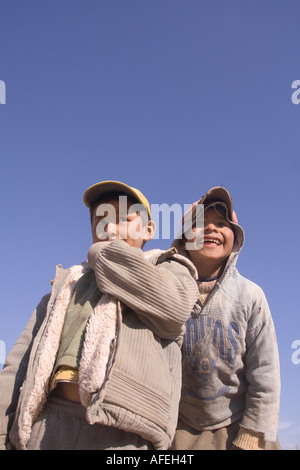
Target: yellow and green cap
point(94, 192)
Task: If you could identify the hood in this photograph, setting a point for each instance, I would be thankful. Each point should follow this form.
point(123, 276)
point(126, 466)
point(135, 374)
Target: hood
point(214, 195)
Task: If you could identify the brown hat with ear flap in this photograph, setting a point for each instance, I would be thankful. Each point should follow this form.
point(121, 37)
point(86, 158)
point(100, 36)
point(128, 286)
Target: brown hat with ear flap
point(219, 194)
point(213, 197)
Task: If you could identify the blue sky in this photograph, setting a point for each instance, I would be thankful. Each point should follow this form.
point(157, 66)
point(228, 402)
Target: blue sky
point(169, 96)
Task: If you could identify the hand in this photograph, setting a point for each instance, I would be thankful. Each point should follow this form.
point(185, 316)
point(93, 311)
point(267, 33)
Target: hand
point(94, 252)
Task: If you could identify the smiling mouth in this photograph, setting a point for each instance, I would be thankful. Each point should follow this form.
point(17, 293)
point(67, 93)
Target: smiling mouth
point(212, 242)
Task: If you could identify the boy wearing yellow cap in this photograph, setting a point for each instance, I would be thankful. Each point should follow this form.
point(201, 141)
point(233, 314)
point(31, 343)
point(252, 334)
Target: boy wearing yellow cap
point(231, 382)
point(99, 364)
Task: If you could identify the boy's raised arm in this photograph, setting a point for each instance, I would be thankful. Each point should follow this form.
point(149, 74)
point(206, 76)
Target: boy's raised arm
point(162, 295)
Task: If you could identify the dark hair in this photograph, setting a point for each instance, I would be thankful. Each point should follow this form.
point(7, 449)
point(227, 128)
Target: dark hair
point(113, 195)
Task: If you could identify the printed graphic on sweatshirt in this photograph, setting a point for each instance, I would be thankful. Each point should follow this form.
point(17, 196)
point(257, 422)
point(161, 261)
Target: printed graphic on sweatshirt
point(210, 355)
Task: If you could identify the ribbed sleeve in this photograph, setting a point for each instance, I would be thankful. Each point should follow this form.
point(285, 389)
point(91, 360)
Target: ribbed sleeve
point(249, 440)
point(162, 296)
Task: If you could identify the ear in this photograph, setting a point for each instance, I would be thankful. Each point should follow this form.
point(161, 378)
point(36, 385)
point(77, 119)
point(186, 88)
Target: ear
point(149, 230)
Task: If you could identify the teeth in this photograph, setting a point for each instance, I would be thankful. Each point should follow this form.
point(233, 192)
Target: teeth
point(211, 240)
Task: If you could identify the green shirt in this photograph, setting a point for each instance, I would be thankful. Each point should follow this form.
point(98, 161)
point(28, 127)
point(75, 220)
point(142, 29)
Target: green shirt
point(85, 298)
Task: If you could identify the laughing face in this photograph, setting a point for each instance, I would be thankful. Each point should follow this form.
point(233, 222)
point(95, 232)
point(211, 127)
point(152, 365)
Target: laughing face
point(217, 245)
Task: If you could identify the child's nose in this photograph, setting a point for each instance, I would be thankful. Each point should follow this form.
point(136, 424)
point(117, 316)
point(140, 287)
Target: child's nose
point(210, 227)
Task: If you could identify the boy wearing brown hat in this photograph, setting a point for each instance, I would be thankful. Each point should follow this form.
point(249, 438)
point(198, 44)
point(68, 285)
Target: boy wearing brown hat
point(231, 381)
point(99, 364)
